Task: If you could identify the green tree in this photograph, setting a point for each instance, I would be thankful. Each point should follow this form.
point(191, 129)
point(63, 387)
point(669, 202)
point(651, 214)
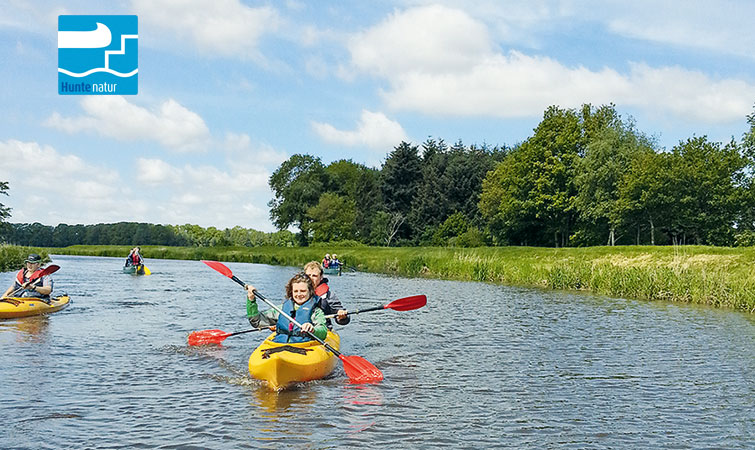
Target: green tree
point(529, 197)
point(451, 182)
point(4, 210)
point(399, 180)
point(454, 226)
point(385, 227)
point(708, 177)
point(646, 192)
point(608, 156)
point(297, 185)
point(360, 185)
point(332, 218)
point(369, 201)
point(344, 177)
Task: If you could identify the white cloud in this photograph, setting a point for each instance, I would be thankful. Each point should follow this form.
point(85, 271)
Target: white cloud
point(374, 130)
point(721, 27)
point(226, 28)
point(156, 171)
point(455, 73)
point(244, 153)
point(51, 187)
point(428, 39)
point(718, 27)
point(207, 195)
point(523, 86)
point(170, 124)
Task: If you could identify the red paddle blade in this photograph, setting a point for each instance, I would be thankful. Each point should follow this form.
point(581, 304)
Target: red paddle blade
point(359, 370)
point(408, 303)
point(207, 337)
point(220, 267)
point(52, 268)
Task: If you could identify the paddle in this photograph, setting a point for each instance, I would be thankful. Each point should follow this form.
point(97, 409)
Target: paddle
point(52, 268)
point(215, 336)
point(358, 369)
point(402, 304)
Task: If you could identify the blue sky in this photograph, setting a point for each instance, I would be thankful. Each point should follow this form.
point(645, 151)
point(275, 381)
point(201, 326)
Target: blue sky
point(229, 89)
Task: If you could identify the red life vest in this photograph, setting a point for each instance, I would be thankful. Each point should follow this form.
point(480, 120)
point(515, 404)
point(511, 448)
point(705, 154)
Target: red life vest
point(135, 259)
point(321, 290)
point(20, 276)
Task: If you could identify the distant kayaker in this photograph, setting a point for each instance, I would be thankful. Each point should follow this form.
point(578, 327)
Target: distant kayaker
point(326, 261)
point(40, 288)
point(134, 257)
point(301, 304)
point(334, 262)
point(329, 303)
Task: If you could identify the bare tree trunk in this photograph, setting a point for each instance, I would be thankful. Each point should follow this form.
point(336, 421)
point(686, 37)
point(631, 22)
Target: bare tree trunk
point(652, 232)
point(397, 219)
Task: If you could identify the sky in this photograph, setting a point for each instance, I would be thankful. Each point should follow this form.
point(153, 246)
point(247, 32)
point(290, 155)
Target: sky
point(229, 89)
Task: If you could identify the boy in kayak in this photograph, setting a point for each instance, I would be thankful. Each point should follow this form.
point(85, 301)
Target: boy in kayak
point(329, 303)
point(301, 304)
point(40, 288)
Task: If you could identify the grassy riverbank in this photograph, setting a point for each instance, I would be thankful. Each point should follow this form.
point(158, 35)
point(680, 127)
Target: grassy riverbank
point(716, 276)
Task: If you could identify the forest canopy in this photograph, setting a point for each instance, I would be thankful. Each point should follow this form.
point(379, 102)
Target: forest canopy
point(585, 177)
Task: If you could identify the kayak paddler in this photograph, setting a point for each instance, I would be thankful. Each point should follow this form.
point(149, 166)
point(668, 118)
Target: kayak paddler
point(40, 288)
point(329, 303)
point(301, 304)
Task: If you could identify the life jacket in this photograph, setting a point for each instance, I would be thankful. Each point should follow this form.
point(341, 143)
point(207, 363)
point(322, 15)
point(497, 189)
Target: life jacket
point(322, 289)
point(285, 330)
point(20, 280)
point(20, 276)
point(135, 259)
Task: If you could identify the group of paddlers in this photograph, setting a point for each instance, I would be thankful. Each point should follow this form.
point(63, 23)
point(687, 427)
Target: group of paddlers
point(329, 262)
point(309, 300)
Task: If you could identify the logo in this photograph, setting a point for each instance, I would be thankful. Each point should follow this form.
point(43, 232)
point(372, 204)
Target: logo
point(98, 55)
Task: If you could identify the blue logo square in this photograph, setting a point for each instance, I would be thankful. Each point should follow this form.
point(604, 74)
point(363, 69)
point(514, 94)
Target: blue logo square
point(98, 55)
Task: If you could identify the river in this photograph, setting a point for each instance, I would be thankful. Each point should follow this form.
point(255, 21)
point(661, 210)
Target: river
point(481, 366)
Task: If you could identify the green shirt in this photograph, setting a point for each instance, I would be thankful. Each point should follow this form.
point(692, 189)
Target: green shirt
point(270, 317)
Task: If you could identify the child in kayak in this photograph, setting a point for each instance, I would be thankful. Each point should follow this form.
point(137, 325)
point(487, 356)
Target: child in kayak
point(329, 303)
point(301, 304)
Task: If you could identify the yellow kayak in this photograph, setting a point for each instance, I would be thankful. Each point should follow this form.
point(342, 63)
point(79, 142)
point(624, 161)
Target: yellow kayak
point(13, 307)
point(282, 364)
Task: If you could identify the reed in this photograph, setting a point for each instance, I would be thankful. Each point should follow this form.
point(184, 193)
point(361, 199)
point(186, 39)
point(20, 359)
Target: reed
point(12, 257)
point(717, 276)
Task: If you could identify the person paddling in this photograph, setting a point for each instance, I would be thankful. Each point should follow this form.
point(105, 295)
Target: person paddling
point(135, 258)
point(40, 288)
point(301, 304)
point(329, 303)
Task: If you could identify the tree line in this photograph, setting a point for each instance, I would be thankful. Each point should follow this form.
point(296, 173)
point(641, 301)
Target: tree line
point(132, 233)
point(585, 177)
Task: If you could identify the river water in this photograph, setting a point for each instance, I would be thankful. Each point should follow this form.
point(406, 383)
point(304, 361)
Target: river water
point(481, 366)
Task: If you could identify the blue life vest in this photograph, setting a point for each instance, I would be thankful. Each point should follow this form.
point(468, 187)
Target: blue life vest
point(286, 331)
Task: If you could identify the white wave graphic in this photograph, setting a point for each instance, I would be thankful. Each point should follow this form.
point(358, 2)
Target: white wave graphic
point(98, 69)
point(97, 38)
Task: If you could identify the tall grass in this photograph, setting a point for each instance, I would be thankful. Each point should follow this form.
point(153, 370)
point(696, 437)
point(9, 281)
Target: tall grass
point(12, 256)
point(716, 276)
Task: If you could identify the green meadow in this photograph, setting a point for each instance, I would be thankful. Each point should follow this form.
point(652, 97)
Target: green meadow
point(717, 276)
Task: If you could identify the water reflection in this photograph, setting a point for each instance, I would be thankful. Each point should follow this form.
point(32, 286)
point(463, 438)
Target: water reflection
point(283, 403)
point(27, 329)
point(362, 394)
